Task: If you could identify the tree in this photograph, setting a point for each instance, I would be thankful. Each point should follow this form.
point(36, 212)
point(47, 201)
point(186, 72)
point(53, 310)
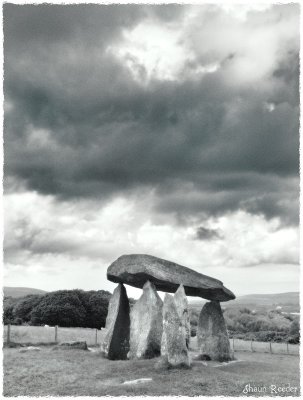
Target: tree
point(8, 308)
point(62, 308)
point(245, 310)
point(98, 308)
point(294, 332)
point(25, 305)
point(8, 314)
point(72, 308)
point(294, 327)
point(77, 308)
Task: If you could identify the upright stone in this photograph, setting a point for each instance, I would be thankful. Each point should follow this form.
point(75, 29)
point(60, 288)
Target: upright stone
point(173, 346)
point(116, 342)
point(212, 336)
point(146, 324)
point(182, 309)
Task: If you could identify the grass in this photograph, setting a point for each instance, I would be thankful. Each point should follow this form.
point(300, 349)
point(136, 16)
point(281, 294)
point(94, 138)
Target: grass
point(41, 334)
point(84, 373)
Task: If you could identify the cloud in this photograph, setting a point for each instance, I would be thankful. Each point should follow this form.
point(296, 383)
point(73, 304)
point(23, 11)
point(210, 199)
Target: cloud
point(80, 124)
point(55, 244)
point(203, 233)
point(40, 228)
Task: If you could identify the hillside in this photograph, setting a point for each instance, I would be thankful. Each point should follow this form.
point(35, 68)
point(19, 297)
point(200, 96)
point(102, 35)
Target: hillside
point(289, 301)
point(270, 299)
point(20, 291)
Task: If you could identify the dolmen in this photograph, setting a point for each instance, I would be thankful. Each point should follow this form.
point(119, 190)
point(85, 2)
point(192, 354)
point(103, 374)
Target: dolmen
point(153, 327)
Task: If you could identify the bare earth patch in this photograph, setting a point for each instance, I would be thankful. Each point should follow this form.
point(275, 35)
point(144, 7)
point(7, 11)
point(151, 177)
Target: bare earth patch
point(85, 373)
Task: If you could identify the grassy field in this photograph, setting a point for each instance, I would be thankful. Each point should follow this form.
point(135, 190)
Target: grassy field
point(84, 373)
point(58, 372)
point(41, 334)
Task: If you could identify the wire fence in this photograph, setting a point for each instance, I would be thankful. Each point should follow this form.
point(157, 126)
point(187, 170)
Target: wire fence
point(51, 334)
point(94, 337)
point(264, 347)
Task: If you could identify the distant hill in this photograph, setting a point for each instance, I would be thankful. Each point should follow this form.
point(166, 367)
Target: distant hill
point(289, 301)
point(270, 299)
point(20, 291)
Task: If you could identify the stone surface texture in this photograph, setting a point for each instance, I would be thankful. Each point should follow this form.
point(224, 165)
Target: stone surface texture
point(183, 312)
point(146, 324)
point(173, 345)
point(116, 342)
point(136, 269)
point(212, 334)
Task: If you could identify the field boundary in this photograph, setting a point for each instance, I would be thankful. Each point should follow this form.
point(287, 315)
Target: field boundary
point(49, 335)
point(43, 335)
point(264, 347)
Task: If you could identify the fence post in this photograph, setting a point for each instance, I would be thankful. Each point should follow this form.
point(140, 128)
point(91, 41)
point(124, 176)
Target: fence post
point(233, 344)
point(251, 346)
point(287, 348)
point(8, 337)
point(96, 337)
point(270, 349)
point(56, 333)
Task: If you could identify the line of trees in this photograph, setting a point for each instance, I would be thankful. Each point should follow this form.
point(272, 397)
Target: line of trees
point(88, 309)
point(67, 308)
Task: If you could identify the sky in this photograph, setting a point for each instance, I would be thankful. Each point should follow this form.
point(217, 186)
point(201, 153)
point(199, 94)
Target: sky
point(170, 130)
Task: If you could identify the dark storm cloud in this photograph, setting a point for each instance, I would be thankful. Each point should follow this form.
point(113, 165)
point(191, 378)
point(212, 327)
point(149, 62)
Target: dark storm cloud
point(77, 124)
point(207, 234)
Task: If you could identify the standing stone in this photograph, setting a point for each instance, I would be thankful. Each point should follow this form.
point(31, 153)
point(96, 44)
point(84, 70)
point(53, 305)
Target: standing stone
point(213, 341)
point(116, 342)
point(146, 324)
point(182, 309)
point(173, 346)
